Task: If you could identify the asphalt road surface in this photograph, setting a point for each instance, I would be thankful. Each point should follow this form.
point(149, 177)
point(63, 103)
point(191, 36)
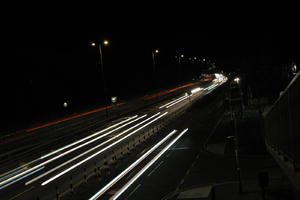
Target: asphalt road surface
point(54, 165)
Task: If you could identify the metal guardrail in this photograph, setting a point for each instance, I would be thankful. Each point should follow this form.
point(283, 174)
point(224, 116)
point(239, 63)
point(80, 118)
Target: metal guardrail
point(282, 124)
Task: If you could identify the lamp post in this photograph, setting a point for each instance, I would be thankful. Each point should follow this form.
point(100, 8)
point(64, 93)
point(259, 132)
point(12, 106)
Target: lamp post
point(155, 52)
point(105, 43)
point(180, 57)
point(153, 59)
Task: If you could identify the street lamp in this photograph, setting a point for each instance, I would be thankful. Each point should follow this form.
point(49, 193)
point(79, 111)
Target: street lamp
point(105, 43)
point(65, 104)
point(180, 57)
point(155, 52)
point(237, 80)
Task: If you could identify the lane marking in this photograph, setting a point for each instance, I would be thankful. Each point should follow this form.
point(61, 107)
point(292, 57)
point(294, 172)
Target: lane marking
point(128, 169)
point(16, 196)
point(143, 152)
point(181, 182)
point(187, 172)
point(99, 152)
point(135, 189)
point(157, 166)
point(179, 148)
point(147, 166)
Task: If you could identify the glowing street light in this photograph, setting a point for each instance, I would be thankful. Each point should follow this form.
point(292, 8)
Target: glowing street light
point(113, 99)
point(105, 43)
point(155, 52)
point(65, 104)
point(294, 68)
point(237, 79)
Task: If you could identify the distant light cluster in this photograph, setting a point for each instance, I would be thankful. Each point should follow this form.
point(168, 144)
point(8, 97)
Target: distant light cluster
point(220, 78)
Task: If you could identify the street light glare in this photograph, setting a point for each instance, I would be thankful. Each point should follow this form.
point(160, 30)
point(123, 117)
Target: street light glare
point(294, 68)
point(237, 79)
point(156, 51)
point(93, 44)
point(105, 42)
point(182, 55)
point(65, 104)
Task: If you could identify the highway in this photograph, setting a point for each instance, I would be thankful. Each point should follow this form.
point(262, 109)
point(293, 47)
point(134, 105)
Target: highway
point(60, 164)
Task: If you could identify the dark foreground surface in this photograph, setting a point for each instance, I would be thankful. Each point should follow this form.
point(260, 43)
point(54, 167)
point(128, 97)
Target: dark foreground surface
point(213, 174)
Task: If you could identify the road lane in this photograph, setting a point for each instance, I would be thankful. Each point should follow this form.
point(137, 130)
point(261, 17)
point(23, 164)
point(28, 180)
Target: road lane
point(89, 150)
point(56, 165)
point(146, 167)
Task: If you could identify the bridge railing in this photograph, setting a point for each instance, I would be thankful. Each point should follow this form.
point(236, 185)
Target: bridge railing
point(282, 124)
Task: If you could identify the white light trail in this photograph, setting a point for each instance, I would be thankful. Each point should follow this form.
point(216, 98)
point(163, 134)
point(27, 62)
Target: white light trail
point(90, 150)
point(211, 87)
point(147, 166)
point(101, 151)
point(61, 155)
point(12, 173)
point(178, 101)
point(128, 169)
point(172, 102)
point(195, 90)
point(18, 170)
point(88, 137)
point(16, 180)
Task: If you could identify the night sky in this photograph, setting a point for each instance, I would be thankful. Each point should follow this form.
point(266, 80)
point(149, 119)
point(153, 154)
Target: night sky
point(46, 68)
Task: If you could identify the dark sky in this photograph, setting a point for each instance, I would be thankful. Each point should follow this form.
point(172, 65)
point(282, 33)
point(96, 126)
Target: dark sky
point(46, 58)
